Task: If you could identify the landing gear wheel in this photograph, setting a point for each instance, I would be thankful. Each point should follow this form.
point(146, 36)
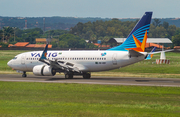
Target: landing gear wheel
point(69, 76)
point(87, 76)
point(24, 74)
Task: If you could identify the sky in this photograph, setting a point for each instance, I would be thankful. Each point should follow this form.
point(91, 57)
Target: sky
point(90, 8)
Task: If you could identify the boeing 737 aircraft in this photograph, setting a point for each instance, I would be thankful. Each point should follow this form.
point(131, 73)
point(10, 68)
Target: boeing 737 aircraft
point(47, 63)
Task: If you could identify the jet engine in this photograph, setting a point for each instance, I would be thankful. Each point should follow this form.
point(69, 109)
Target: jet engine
point(43, 70)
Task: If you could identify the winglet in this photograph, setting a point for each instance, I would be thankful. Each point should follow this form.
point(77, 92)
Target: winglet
point(149, 56)
point(44, 54)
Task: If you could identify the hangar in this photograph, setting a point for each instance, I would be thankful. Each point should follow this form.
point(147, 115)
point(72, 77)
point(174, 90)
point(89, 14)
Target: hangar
point(158, 42)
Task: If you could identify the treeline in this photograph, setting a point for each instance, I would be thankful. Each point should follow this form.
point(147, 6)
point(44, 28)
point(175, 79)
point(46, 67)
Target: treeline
point(93, 31)
point(50, 23)
point(104, 30)
point(59, 38)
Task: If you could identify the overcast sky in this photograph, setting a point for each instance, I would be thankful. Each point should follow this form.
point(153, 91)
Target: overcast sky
point(90, 8)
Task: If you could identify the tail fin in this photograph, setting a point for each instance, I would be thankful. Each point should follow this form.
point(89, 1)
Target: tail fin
point(44, 54)
point(138, 36)
point(149, 56)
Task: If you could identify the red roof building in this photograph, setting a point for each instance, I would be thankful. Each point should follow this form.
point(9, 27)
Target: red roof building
point(21, 44)
point(10, 45)
point(31, 46)
point(38, 46)
point(103, 46)
point(153, 45)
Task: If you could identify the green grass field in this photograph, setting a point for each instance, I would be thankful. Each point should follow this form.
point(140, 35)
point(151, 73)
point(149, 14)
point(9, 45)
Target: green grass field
point(146, 68)
point(79, 100)
point(24, 99)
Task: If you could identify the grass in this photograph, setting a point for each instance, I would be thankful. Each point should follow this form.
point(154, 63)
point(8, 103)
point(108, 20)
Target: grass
point(146, 68)
point(79, 100)
point(5, 56)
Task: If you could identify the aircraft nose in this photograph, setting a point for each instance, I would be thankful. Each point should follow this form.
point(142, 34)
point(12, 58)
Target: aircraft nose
point(9, 63)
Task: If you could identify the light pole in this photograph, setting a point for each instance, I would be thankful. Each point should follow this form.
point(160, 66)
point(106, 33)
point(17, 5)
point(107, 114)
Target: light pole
point(14, 33)
point(3, 35)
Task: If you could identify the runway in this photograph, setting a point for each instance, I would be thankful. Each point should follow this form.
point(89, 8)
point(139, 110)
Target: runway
point(167, 82)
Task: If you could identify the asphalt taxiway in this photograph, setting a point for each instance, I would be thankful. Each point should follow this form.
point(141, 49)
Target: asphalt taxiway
point(168, 82)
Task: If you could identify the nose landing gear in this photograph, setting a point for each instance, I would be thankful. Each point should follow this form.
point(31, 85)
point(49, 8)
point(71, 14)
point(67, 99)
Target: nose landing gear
point(24, 74)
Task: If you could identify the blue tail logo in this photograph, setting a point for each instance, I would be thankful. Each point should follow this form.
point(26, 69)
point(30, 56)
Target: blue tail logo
point(140, 31)
point(44, 54)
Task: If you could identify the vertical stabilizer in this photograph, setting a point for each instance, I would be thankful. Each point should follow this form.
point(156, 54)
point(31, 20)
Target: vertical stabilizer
point(138, 36)
point(44, 54)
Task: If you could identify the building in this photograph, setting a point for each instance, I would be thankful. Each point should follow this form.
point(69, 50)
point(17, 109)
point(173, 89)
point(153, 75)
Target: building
point(157, 42)
point(41, 40)
point(21, 44)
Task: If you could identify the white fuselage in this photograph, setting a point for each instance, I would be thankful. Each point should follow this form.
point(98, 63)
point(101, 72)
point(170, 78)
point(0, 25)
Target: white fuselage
point(86, 61)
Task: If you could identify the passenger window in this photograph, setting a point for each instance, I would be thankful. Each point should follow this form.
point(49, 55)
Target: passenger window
point(15, 58)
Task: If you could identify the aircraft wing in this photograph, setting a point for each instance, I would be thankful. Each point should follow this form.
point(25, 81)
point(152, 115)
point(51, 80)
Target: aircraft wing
point(66, 66)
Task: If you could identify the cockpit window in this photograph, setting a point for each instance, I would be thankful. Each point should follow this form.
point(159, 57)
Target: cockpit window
point(15, 58)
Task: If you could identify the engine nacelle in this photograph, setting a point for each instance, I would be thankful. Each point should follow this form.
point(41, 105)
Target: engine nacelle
point(43, 70)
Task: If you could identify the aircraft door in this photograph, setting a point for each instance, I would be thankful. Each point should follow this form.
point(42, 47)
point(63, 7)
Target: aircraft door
point(23, 59)
point(114, 59)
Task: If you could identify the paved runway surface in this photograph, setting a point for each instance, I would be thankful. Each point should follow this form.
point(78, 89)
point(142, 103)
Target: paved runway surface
point(169, 82)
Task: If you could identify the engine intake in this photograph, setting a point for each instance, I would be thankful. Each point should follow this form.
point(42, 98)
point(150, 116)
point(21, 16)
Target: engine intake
point(43, 70)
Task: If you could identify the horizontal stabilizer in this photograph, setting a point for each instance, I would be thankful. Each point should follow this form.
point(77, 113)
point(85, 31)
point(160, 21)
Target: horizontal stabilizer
point(161, 51)
point(134, 53)
point(149, 56)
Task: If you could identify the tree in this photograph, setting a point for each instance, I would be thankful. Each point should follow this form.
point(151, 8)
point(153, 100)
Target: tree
point(71, 41)
point(7, 33)
point(176, 40)
point(4, 45)
point(93, 38)
point(30, 37)
point(165, 25)
point(156, 22)
point(63, 44)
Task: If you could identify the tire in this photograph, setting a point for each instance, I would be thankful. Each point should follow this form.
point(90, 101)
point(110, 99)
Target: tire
point(87, 76)
point(24, 75)
point(69, 76)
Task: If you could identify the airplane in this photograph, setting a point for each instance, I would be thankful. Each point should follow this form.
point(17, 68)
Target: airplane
point(47, 63)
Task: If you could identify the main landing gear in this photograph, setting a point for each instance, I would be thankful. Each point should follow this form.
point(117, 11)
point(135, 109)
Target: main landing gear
point(24, 74)
point(86, 75)
point(70, 75)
